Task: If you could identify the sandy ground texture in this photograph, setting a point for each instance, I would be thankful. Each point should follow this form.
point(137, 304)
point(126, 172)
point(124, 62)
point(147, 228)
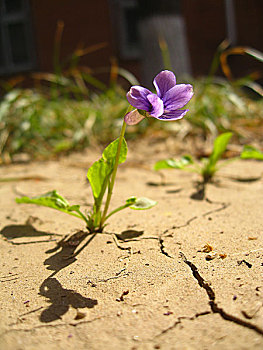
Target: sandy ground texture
point(149, 281)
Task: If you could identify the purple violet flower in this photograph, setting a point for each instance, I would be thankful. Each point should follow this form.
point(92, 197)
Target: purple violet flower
point(163, 106)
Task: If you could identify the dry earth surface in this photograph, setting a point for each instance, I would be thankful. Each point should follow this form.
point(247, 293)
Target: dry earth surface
point(150, 287)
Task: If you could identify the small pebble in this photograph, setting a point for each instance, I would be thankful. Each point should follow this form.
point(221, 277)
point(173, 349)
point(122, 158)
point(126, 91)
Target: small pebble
point(211, 256)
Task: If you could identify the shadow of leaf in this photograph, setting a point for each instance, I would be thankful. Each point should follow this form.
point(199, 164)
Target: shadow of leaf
point(160, 184)
point(177, 190)
point(61, 299)
point(18, 231)
point(244, 179)
point(128, 235)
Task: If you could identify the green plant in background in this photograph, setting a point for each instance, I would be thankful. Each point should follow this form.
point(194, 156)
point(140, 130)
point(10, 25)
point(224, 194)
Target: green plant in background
point(208, 167)
point(247, 81)
point(171, 163)
point(65, 110)
point(250, 152)
point(222, 106)
point(32, 123)
point(68, 109)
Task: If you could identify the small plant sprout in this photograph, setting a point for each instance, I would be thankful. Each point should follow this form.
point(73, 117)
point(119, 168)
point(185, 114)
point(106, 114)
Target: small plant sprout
point(209, 166)
point(250, 152)
point(165, 105)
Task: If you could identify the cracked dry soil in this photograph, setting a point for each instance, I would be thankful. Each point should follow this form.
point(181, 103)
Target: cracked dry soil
point(145, 283)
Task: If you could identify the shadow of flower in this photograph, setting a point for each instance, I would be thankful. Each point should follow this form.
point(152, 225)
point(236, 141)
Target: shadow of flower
point(61, 299)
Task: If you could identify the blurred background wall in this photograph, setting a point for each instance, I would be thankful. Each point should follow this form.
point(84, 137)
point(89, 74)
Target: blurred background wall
point(130, 32)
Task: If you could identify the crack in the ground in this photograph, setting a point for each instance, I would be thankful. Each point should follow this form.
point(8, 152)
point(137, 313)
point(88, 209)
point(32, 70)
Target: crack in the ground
point(115, 277)
point(179, 320)
point(188, 222)
point(163, 251)
point(32, 242)
point(73, 324)
point(213, 305)
point(239, 262)
point(164, 234)
point(223, 206)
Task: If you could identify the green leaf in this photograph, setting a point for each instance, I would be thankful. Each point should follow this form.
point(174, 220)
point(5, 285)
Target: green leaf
point(98, 174)
point(130, 201)
point(143, 203)
point(174, 163)
point(250, 152)
point(127, 204)
point(220, 145)
point(110, 151)
point(51, 200)
point(74, 207)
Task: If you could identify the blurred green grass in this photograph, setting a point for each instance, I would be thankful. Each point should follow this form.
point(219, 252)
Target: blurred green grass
point(43, 122)
point(72, 108)
point(33, 123)
point(221, 106)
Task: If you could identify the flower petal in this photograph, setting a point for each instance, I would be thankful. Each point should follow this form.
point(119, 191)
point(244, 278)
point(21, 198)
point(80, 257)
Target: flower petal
point(156, 105)
point(137, 97)
point(133, 118)
point(178, 97)
point(163, 82)
point(169, 116)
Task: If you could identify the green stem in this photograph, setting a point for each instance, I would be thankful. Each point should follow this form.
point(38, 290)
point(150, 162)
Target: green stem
point(113, 176)
point(118, 209)
point(82, 216)
point(114, 172)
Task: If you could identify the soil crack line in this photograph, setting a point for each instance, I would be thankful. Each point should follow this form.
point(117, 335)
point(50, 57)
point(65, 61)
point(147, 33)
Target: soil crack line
point(10, 280)
point(223, 207)
point(163, 251)
point(188, 222)
point(211, 295)
point(179, 320)
point(117, 275)
point(31, 312)
point(72, 324)
point(245, 262)
point(164, 234)
point(32, 242)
